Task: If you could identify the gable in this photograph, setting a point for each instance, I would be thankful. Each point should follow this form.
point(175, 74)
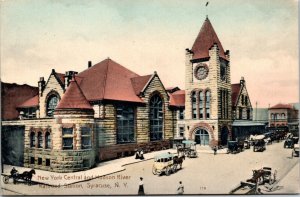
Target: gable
point(155, 85)
point(54, 83)
point(243, 91)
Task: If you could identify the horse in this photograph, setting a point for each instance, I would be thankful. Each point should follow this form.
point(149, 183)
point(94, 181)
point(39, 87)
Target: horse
point(258, 176)
point(178, 160)
point(27, 176)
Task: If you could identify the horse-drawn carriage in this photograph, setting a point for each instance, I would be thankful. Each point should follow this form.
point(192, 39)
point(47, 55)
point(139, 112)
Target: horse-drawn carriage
point(233, 147)
point(263, 175)
point(187, 148)
point(290, 142)
point(26, 176)
point(166, 163)
point(259, 143)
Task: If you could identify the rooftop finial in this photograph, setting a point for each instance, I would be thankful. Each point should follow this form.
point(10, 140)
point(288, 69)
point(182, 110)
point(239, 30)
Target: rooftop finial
point(206, 9)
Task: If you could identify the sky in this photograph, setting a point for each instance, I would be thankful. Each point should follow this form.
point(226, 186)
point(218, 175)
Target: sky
point(147, 36)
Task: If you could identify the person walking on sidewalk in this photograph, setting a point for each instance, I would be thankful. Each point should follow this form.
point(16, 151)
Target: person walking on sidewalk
point(141, 187)
point(215, 150)
point(180, 189)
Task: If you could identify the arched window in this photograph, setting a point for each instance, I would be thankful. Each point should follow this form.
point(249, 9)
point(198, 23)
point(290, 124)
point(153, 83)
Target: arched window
point(194, 105)
point(51, 104)
point(201, 104)
point(32, 139)
point(272, 116)
point(48, 140)
point(40, 140)
point(283, 116)
point(207, 104)
point(156, 118)
point(278, 116)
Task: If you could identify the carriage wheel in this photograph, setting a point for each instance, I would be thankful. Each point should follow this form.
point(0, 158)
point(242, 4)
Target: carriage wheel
point(154, 171)
point(5, 179)
point(168, 171)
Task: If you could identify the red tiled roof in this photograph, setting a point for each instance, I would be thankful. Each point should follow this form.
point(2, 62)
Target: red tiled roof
point(282, 106)
point(73, 98)
point(235, 90)
point(12, 95)
point(177, 98)
point(32, 102)
point(172, 89)
point(109, 80)
point(138, 83)
point(206, 38)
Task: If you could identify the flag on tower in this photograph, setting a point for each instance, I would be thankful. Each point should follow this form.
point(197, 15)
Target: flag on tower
point(207, 3)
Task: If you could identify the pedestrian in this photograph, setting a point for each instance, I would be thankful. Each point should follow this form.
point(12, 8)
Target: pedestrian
point(141, 187)
point(180, 189)
point(142, 154)
point(215, 150)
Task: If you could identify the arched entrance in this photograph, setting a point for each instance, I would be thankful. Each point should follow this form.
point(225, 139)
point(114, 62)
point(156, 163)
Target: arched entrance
point(202, 137)
point(224, 136)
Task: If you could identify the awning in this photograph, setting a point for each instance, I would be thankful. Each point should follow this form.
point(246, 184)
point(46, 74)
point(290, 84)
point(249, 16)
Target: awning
point(247, 123)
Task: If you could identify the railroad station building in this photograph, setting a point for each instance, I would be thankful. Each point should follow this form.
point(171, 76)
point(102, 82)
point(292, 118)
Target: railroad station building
point(74, 120)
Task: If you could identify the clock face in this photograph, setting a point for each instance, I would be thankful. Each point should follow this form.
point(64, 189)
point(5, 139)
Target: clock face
point(201, 71)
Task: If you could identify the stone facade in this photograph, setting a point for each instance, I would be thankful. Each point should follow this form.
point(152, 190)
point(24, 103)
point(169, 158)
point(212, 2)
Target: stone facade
point(213, 83)
point(51, 87)
point(107, 132)
point(243, 109)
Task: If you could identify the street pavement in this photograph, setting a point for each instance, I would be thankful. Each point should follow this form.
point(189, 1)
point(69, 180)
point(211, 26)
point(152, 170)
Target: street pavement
point(207, 174)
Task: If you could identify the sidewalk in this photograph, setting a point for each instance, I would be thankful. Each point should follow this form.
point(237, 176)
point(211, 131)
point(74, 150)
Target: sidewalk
point(102, 169)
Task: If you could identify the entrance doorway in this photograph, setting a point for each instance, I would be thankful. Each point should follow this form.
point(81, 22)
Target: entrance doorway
point(202, 137)
point(224, 136)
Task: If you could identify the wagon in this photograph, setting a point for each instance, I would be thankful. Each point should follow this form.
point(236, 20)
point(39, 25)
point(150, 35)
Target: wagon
point(232, 147)
point(259, 143)
point(163, 163)
point(16, 178)
point(190, 148)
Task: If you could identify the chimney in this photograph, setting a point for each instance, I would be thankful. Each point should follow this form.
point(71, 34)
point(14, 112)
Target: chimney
point(242, 81)
point(68, 77)
point(41, 85)
point(89, 64)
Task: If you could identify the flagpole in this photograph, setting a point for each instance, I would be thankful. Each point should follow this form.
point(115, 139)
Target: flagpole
point(206, 8)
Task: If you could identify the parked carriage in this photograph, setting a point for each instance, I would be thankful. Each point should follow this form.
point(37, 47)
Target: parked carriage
point(290, 142)
point(232, 147)
point(187, 148)
point(166, 163)
point(259, 143)
point(295, 152)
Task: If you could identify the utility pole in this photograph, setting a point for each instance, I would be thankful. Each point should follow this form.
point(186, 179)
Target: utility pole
point(256, 111)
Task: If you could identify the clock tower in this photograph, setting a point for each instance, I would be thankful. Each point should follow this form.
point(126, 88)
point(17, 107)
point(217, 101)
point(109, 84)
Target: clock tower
point(207, 89)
